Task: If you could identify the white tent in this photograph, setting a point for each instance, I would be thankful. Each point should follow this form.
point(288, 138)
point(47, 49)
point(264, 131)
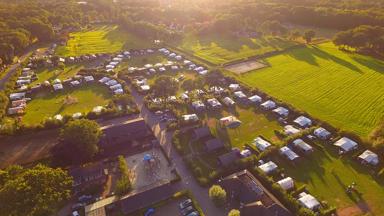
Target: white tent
point(261, 144)
point(322, 133)
point(369, 157)
point(346, 144)
point(287, 183)
point(303, 121)
point(268, 167)
point(281, 111)
point(288, 153)
point(268, 105)
point(308, 201)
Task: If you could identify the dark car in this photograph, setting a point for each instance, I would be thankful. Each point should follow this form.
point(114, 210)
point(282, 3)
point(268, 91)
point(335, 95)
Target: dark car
point(185, 203)
point(187, 210)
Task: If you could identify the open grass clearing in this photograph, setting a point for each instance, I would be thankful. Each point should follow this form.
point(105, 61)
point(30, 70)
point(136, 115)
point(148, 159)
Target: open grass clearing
point(100, 39)
point(346, 90)
point(219, 49)
point(46, 105)
point(327, 176)
point(254, 124)
point(50, 74)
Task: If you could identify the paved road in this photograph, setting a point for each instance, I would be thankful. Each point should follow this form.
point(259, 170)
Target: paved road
point(12, 69)
point(188, 181)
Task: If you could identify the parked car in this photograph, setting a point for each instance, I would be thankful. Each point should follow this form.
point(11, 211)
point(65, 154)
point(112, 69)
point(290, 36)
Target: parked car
point(187, 210)
point(75, 213)
point(77, 206)
point(195, 213)
point(85, 198)
point(185, 203)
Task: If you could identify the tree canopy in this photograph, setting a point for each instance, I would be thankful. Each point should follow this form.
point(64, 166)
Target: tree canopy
point(36, 192)
point(165, 86)
point(78, 141)
point(218, 195)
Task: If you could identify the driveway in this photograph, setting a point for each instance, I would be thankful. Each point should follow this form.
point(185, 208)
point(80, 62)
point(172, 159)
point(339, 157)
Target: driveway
point(187, 180)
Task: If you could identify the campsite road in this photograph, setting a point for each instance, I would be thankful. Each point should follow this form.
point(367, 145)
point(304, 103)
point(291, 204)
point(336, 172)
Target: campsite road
point(188, 181)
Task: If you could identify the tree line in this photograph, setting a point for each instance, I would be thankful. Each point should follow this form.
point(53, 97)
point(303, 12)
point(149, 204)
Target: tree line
point(370, 38)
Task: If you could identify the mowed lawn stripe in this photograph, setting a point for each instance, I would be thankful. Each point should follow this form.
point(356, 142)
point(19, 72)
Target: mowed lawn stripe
point(346, 90)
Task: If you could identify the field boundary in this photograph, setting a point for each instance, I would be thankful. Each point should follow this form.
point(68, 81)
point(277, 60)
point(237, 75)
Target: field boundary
point(265, 55)
point(246, 66)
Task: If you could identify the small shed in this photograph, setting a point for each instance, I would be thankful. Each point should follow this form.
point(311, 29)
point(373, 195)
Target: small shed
point(214, 103)
point(199, 106)
point(229, 102)
point(368, 157)
point(302, 146)
point(104, 80)
point(111, 82)
point(290, 130)
point(75, 83)
point(89, 79)
point(268, 167)
point(255, 99)
point(287, 183)
point(261, 144)
point(214, 144)
point(234, 87)
point(288, 153)
point(322, 133)
point(303, 122)
point(190, 118)
point(345, 144)
point(239, 95)
point(268, 105)
point(115, 87)
point(58, 87)
point(308, 201)
point(281, 111)
point(77, 115)
point(17, 96)
point(230, 122)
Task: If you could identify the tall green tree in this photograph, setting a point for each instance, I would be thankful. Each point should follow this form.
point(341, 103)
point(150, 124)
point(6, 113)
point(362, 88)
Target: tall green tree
point(309, 35)
point(38, 191)
point(218, 195)
point(234, 212)
point(79, 141)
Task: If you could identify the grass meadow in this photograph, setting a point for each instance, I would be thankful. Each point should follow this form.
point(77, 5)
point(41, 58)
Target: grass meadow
point(50, 104)
point(327, 176)
point(51, 74)
point(346, 90)
point(220, 49)
point(100, 39)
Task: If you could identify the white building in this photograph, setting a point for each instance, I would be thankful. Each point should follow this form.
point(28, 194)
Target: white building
point(268, 105)
point(261, 144)
point(308, 201)
point(281, 111)
point(268, 167)
point(286, 183)
point(288, 153)
point(255, 99)
point(322, 133)
point(368, 157)
point(303, 121)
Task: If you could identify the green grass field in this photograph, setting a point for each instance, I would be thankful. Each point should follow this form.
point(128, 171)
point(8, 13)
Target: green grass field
point(219, 49)
point(327, 176)
point(100, 39)
point(51, 74)
point(254, 123)
point(346, 90)
point(50, 104)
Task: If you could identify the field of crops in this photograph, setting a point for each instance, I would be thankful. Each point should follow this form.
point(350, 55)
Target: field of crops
point(84, 99)
point(219, 49)
point(101, 39)
point(346, 90)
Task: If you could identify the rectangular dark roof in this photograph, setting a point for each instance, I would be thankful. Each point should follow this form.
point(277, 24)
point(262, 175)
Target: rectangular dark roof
point(214, 144)
point(125, 132)
point(228, 158)
point(201, 132)
point(146, 198)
